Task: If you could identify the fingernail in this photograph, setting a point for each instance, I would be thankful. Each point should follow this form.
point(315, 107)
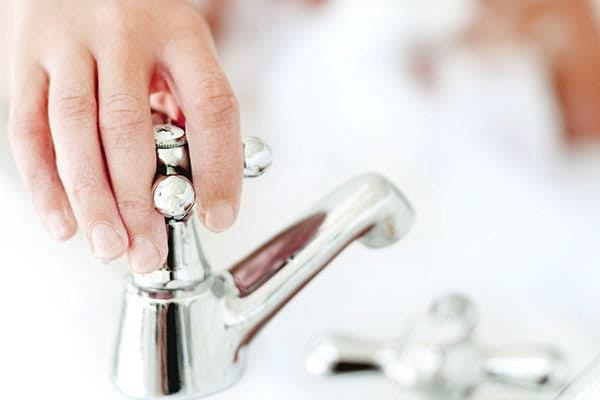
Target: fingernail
point(219, 217)
point(58, 226)
point(144, 256)
point(106, 243)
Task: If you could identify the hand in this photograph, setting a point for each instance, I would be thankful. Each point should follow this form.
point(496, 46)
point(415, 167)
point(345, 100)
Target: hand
point(566, 33)
point(80, 124)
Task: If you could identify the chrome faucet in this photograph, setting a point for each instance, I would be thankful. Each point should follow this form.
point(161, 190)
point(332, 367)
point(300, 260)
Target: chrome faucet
point(438, 357)
point(184, 328)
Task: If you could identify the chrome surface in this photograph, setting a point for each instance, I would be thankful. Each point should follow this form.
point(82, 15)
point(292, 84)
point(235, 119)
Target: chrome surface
point(439, 357)
point(585, 387)
point(184, 328)
point(174, 196)
point(257, 157)
point(172, 156)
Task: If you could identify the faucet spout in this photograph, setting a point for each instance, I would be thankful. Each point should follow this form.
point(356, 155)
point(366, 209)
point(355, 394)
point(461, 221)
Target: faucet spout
point(368, 208)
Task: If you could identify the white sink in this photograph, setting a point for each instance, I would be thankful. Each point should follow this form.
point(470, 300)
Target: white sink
point(520, 252)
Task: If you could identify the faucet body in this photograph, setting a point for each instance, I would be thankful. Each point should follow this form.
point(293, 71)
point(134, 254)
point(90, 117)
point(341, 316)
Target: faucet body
point(184, 328)
point(176, 343)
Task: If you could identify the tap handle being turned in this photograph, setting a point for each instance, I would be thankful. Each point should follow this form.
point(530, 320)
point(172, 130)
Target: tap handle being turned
point(174, 195)
point(174, 198)
point(437, 356)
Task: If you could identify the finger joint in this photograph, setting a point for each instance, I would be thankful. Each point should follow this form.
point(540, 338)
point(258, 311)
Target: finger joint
point(75, 107)
point(216, 103)
point(122, 112)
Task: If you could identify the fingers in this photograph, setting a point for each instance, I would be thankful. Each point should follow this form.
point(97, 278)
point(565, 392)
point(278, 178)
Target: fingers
point(212, 125)
point(33, 151)
point(128, 140)
point(72, 110)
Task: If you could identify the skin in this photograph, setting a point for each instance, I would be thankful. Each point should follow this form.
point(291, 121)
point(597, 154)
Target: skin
point(566, 32)
point(83, 75)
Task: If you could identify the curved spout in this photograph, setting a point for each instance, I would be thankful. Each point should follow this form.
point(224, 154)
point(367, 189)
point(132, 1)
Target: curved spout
point(368, 208)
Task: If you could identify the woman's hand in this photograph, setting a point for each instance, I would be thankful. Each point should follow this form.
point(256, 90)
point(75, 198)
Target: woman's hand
point(80, 124)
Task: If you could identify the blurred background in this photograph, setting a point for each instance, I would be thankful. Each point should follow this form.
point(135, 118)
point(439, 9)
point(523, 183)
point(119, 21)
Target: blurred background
point(486, 114)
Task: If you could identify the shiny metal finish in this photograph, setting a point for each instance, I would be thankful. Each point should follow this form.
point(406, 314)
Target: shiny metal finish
point(368, 208)
point(174, 196)
point(173, 157)
point(171, 151)
point(438, 357)
point(167, 136)
point(184, 328)
point(257, 157)
point(585, 387)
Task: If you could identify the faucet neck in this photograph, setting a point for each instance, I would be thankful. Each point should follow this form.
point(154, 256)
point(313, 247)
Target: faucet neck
point(368, 208)
point(185, 266)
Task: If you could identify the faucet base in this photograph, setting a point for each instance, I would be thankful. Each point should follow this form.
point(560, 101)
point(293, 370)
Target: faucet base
point(168, 349)
point(183, 396)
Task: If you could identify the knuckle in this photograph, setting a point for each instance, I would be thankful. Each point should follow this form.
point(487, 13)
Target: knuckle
point(41, 185)
point(24, 128)
point(38, 180)
point(113, 14)
point(121, 111)
point(75, 106)
point(84, 189)
point(132, 204)
point(127, 142)
point(216, 102)
point(190, 28)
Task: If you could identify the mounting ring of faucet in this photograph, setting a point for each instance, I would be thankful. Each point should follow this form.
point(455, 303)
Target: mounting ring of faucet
point(167, 136)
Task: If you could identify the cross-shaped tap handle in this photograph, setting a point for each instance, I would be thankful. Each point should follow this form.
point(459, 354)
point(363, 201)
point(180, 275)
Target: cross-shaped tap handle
point(174, 195)
point(438, 356)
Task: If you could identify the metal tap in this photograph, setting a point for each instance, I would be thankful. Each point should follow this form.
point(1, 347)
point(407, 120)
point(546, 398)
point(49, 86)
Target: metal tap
point(438, 357)
point(184, 328)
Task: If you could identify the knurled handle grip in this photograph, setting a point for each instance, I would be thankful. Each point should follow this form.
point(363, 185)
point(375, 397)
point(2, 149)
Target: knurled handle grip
point(173, 193)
